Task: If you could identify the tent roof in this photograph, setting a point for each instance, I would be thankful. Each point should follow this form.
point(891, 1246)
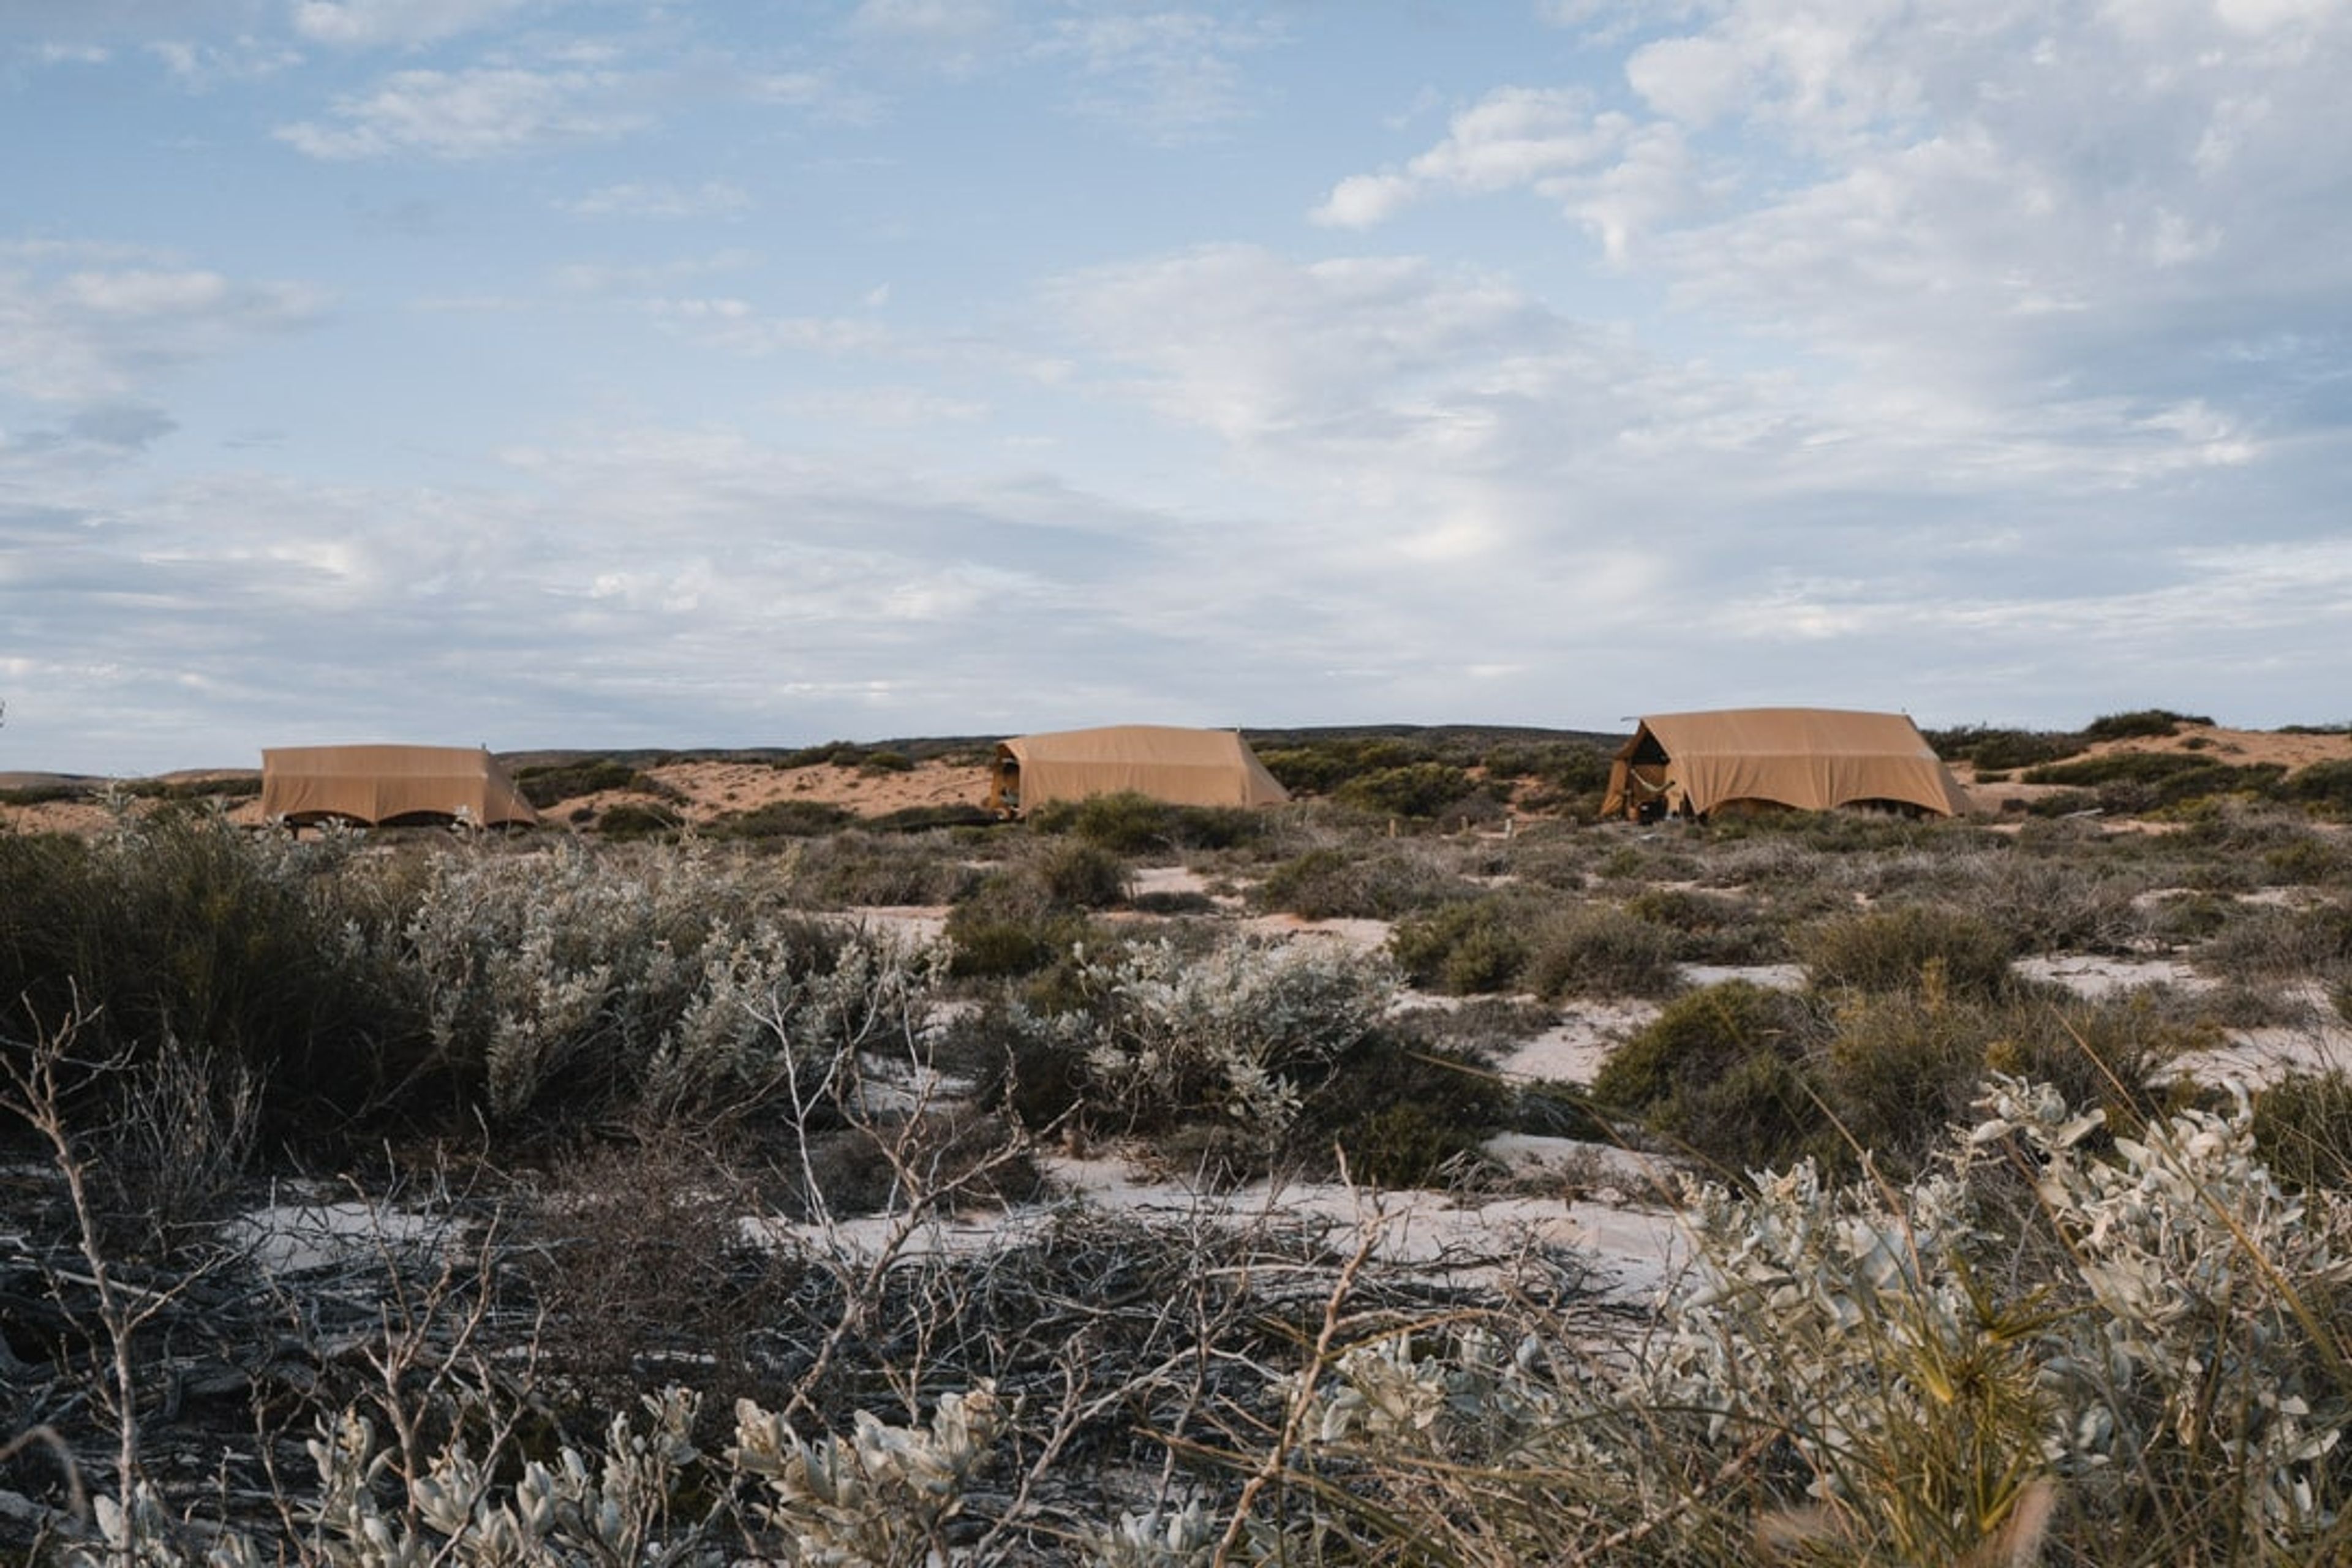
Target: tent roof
point(1811, 758)
point(1187, 767)
point(375, 783)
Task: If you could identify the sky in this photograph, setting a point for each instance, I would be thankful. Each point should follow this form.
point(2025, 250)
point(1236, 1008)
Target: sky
point(652, 372)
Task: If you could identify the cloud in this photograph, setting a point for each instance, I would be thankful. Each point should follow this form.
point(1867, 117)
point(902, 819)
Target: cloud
point(760, 594)
point(662, 199)
point(1446, 451)
point(1171, 77)
point(881, 407)
point(88, 326)
point(200, 67)
point(952, 35)
point(598, 278)
point(1976, 213)
point(484, 112)
point(739, 327)
point(131, 427)
point(1598, 163)
point(369, 24)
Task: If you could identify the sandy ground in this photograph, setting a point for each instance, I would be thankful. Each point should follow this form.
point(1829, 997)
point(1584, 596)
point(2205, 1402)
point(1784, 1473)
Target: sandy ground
point(704, 792)
point(1636, 1252)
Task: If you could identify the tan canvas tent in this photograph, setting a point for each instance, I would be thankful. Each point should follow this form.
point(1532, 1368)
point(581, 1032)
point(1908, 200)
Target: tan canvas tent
point(376, 784)
point(1182, 767)
point(1810, 758)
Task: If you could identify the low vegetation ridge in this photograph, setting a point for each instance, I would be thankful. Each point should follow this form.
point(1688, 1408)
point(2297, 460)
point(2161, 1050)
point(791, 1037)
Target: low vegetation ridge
point(1422, 1171)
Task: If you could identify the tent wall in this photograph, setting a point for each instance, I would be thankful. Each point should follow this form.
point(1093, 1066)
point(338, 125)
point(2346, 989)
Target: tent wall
point(1182, 767)
point(1810, 758)
point(380, 783)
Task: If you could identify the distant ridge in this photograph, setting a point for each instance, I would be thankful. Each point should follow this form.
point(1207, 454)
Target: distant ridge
point(923, 748)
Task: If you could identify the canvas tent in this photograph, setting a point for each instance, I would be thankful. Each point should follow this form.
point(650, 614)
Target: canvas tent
point(1810, 758)
point(378, 784)
point(1182, 767)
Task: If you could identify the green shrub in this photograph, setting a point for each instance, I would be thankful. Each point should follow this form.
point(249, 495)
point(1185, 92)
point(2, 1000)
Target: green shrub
point(2326, 787)
point(1419, 790)
point(855, 868)
point(2130, 782)
point(44, 793)
point(1727, 1073)
point(630, 820)
point(548, 785)
point(786, 819)
point(886, 763)
point(1008, 925)
point(1712, 927)
point(1463, 947)
point(2108, 1053)
point(1903, 1068)
point(1595, 951)
point(1082, 875)
point(1404, 1112)
point(1320, 766)
point(2303, 1124)
point(2066, 802)
point(1989, 747)
point(239, 787)
point(1337, 884)
point(180, 934)
point(2141, 723)
point(1891, 950)
point(1308, 769)
point(1135, 824)
point(925, 818)
point(2308, 861)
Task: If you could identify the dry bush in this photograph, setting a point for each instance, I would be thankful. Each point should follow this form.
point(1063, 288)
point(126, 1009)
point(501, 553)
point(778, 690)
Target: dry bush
point(1082, 875)
point(1470, 946)
point(636, 1256)
point(2303, 1123)
point(1712, 927)
point(1890, 950)
point(1727, 1072)
point(1381, 884)
point(174, 1149)
point(1594, 950)
point(861, 870)
point(2270, 942)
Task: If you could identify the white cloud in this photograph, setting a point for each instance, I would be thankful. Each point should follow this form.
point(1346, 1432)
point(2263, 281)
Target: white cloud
point(200, 67)
point(882, 407)
point(662, 199)
point(738, 326)
point(1694, 79)
point(99, 331)
point(364, 24)
point(603, 278)
point(1553, 141)
point(478, 113)
point(944, 24)
point(1169, 76)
